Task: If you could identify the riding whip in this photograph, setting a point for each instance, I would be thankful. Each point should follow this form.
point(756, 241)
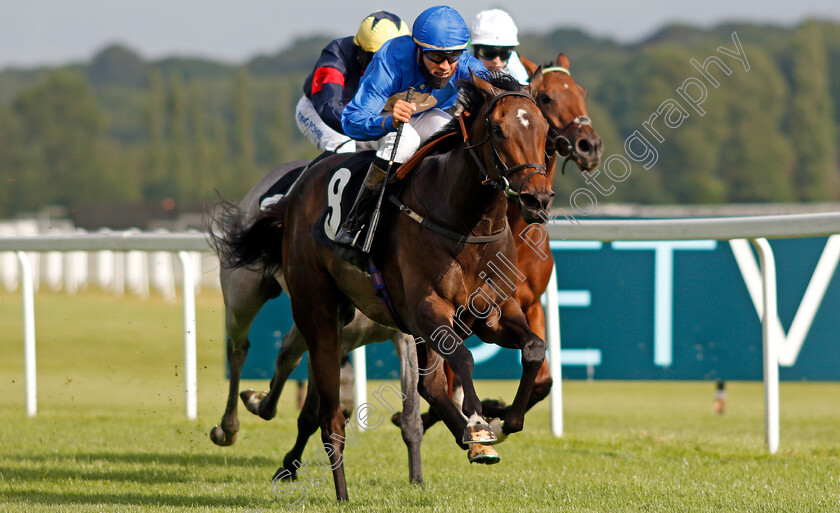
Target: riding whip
point(374, 218)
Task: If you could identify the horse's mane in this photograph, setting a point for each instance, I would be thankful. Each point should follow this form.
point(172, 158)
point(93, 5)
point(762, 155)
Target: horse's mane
point(470, 101)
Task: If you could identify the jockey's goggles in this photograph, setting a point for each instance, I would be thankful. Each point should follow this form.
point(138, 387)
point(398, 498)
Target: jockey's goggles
point(438, 56)
point(491, 52)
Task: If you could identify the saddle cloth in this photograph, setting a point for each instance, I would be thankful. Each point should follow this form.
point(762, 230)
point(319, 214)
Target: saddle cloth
point(284, 184)
point(280, 188)
point(342, 189)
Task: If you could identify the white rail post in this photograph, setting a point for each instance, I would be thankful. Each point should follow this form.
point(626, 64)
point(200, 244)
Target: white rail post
point(359, 378)
point(770, 343)
point(190, 379)
point(28, 294)
point(552, 332)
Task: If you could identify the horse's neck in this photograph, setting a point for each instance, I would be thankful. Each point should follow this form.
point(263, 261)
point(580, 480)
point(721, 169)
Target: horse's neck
point(468, 204)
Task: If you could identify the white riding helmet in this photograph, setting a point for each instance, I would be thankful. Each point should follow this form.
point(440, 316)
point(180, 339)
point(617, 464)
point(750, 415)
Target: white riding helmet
point(494, 27)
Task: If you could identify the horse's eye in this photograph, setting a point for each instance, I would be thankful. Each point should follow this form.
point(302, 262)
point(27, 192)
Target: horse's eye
point(497, 131)
point(544, 99)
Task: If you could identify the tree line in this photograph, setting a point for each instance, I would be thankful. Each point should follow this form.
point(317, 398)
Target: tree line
point(121, 130)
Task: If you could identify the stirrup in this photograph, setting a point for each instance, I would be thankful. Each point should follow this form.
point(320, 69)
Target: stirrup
point(348, 237)
point(353, 227)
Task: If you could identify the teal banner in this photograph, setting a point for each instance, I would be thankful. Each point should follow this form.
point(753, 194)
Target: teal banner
point(679, 310)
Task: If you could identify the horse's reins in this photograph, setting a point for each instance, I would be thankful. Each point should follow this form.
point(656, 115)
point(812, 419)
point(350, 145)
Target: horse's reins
point(578, 121)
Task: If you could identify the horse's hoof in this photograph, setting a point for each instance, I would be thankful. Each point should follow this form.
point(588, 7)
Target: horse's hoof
point(479, 432)
point(283, 474)
point(496, 426)
point(395, 419)
point(480, 453)
point(219, 437)
point(251, 399)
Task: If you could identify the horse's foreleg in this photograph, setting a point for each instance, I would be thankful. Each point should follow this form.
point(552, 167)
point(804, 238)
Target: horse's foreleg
point(434, 320)
point(411, 424)
point(542, 383)
point(512, 331)
point(432, 386)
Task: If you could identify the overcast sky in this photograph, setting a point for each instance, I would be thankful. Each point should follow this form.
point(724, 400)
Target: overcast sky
point(37, 32)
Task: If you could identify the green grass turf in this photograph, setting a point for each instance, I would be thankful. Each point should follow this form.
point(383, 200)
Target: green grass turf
point(111, 435)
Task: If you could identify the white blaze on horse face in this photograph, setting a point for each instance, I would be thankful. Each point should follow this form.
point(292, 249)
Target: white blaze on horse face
point(520, 115)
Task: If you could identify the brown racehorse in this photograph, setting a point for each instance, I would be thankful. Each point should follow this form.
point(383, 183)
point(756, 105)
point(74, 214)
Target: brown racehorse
point(461, 188)
point(562, 102)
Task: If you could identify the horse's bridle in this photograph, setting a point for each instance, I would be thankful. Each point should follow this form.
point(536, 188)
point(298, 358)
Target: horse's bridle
point(500, 181)
point(560, 141)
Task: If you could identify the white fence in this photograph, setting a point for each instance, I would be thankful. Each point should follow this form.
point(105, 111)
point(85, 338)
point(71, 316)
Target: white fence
point(129, 272)
point(184, 244)
point(734, 229)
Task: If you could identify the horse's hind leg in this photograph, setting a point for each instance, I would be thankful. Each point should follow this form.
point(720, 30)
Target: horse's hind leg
point(264, 404)
point(307, 424)
point(316, 311)
point(244, 292)
point(411, 424)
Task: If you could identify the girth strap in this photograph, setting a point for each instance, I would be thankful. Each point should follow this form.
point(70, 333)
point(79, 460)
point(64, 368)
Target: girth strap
point(381, 291)
point(449, 234)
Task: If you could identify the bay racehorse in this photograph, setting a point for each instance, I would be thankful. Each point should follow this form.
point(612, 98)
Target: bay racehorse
point(572, 136)
point(431, 277)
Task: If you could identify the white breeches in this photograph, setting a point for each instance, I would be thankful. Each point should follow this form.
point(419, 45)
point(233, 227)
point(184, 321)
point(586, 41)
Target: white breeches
point(420, 128)
point(319, 133)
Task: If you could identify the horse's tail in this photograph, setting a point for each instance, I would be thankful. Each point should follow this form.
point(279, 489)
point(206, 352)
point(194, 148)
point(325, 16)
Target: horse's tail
point(255, 243)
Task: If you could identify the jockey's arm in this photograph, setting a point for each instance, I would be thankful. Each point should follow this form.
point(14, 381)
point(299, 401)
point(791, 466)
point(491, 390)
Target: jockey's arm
point(326, 96)
point(362, 119)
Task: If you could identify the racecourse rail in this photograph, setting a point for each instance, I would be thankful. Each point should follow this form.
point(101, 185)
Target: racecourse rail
point(756, 229)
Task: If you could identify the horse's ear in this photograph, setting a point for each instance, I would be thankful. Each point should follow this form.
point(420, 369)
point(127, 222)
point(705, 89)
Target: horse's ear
point(530, 67)
point(536, 80)
point(484, 86)
point(562, 61)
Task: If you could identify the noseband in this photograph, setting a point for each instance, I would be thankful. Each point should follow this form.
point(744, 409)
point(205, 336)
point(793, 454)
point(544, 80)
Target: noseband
point(561, 142)
point(500, 181)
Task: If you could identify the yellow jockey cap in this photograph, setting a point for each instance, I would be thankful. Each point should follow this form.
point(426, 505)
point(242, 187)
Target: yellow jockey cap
point(378, 28)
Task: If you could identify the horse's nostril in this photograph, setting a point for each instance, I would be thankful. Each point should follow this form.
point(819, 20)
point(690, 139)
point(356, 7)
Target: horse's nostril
point(584, 147)
point(529, 201)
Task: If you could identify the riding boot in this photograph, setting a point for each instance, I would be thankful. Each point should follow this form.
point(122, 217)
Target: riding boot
point(350, 231)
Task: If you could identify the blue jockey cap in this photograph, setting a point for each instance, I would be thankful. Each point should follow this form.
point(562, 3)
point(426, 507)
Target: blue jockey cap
point(440, 28)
